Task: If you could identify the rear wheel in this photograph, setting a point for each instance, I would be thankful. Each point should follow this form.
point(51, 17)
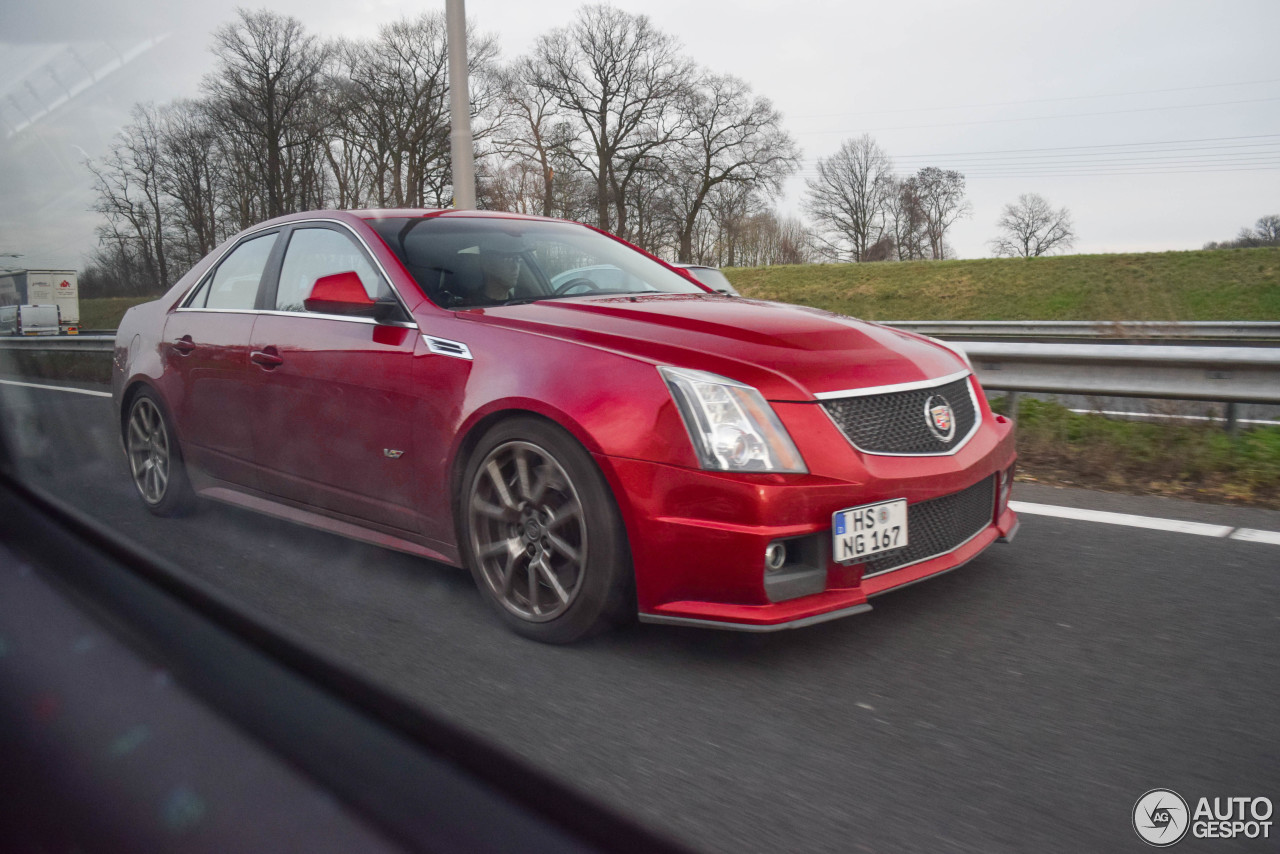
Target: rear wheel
point(542, 533)
point(155, 462)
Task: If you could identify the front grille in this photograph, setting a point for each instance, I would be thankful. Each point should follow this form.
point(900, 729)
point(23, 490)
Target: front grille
point(897, 422)
point(939, 525)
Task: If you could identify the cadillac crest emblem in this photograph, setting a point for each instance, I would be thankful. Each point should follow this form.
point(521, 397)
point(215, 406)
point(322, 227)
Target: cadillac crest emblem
point(939, 418)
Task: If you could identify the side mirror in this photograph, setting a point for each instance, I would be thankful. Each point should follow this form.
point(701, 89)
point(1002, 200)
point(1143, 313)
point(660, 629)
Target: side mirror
point(341, 293)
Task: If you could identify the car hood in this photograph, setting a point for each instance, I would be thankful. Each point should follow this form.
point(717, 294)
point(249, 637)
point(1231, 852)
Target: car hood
point(788, 352)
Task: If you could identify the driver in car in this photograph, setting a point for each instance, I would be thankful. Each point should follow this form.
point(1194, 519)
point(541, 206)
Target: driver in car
point(501, 270)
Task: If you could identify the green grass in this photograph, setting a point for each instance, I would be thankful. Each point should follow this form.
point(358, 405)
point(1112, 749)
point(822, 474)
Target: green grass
point(106, 313)
point(1236, 284)
point(1222, 284)
point(1188, 459)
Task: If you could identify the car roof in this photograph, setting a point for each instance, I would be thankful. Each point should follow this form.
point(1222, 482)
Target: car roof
point(384, 213)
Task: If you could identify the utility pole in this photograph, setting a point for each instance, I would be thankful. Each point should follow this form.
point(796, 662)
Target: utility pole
point(464, 168)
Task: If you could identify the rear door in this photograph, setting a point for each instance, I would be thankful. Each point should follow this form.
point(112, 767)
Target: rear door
point(208, 381)
point(333, 420)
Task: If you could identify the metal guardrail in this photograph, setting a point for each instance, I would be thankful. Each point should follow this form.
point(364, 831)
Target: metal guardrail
point(1223, 374)
point(1220, 374)
point(60, 343)
point(1239, 330)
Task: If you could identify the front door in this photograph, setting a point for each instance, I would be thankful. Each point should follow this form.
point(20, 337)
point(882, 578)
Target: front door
point(333, 424)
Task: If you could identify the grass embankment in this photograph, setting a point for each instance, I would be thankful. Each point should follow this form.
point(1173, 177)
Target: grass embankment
point(1194, 460)
point(1221, 284)
point(105, 314)
point(1190, 460)
point(1225, 284)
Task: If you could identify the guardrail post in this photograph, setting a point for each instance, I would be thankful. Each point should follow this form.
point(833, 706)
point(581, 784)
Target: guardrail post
point(1011, 405)
point(1233, 422)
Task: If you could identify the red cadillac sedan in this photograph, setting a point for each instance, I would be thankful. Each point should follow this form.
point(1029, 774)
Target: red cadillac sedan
point(592, 433)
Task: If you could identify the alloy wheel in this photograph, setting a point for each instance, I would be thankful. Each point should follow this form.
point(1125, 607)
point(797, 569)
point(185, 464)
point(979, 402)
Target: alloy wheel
point(528, 531)
point(147, 442)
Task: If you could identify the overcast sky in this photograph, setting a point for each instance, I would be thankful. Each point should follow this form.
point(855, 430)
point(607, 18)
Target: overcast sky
point(1156, 123)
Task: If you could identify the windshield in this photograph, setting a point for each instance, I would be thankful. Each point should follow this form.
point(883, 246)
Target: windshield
point(472, 262)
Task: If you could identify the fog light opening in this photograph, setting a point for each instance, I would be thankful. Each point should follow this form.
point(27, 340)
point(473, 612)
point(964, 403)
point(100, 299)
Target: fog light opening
point(775, 556)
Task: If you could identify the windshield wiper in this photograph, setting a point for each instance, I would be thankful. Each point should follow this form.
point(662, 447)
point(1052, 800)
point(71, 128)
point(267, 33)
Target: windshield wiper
point(527, 300)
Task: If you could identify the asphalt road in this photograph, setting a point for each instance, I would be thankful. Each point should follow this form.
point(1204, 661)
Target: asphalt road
point(1023, 703)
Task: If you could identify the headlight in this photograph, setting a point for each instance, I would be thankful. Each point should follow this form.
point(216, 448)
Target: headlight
point(730, 424)
point(954, 348)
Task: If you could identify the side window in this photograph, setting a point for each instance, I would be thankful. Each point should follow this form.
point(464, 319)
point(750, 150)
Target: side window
point(314, 253)
point(235, 283)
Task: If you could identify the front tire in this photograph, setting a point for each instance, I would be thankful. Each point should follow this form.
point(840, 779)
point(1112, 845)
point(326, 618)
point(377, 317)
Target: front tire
point(155, 461)
point(542, 535)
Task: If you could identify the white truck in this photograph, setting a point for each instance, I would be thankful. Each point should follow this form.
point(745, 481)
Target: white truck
point(29, 320)
point(44, 287)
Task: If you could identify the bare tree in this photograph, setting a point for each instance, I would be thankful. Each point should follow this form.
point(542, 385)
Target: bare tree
point(1267, 230)
point(517, 185)
point(881, 250)
point(1030, 227)
point(763, 238)
point(906, 219)
point(795, 242)
point(650, 216)
point(191, 174)
point(114, 269)
point(617, 76)
point(732, 208)
point(849, 197)
point(353, 162)
point(393, 117)
point(265, 93)
point(129, 195)
point(733, 138)
point(531, 132)
point(942, 201)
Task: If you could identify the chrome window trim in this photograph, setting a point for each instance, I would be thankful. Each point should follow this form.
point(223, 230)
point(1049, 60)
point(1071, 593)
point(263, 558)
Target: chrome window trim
point(190, 292)
point(445, 347)
point(890, 389)
point(213, 268)
point(345, 227)
point(315, 315)
point(219, 310)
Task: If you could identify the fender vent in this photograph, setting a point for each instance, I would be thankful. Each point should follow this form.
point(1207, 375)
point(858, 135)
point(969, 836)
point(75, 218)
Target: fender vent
point(444, 347)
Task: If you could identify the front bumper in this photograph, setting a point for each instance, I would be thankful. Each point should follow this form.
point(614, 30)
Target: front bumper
point(698, 538)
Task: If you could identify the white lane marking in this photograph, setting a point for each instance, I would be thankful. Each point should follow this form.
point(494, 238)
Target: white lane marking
point(1213, 418)
point(1252, 536)
point(1202, 529)
point(58, 388)
point(1082, 514)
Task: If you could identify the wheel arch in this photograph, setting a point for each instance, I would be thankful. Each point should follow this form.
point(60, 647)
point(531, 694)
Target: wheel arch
point(131, 390)
point(621, 605)
point(469, 438)
point(482, 424)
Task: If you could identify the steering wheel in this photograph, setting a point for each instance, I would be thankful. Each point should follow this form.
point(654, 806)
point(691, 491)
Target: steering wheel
point(580, 282)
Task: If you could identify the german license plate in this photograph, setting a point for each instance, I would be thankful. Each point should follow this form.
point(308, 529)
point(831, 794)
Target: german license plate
point(863, 532)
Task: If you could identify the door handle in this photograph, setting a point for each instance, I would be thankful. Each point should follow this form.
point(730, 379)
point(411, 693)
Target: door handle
point(267, 358)
point(184, 345)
